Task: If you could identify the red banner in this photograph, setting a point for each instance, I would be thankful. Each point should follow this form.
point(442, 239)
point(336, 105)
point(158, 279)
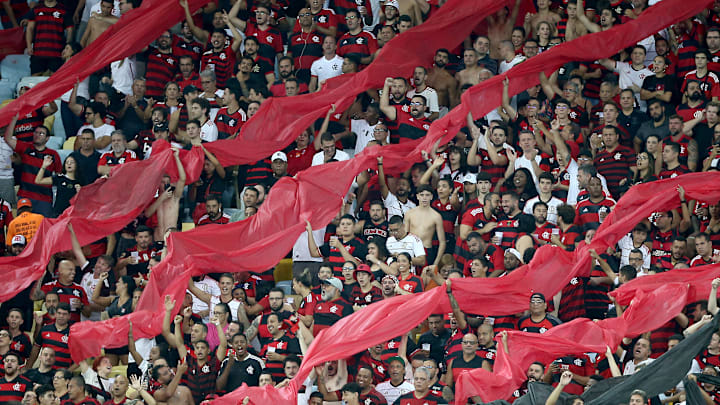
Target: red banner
point(698, 280)
point(12, 41)
point(133, 32)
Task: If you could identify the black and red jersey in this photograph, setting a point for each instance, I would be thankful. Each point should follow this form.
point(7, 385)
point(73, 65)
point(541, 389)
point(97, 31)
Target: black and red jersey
point(373, 231)
point(615, 166)
point(411, 283)
point(25, 125)
point(684, 142)
point(57, 340)
point(449, 215)
point(709, 84)
point(662, 244)
point(270, 39)
point(379, 368)
point(459, 364)
point(143, 257)
point(222, 63)
point(544, 232)
point(409, 128)
point(360, 45)
point(306, 48)
point(672, 173)
point(73, 295)
point(14, 390)
point(624, 136)
point(260, 172)
point(526, 324)
point(493, 254)
point(193, 49)
point(229, 124)
point(496, 172)
point(587, 213)
point(572, 302)
point(200, 379)
point(708, 359)
point(161, 68)
point(325, 18)
point(50, 25)
point(182, 82)
point(224, 218)
point(688, 43)
point(111, 159)
point(144, 140)
point(284, 346)
point(329, 312)
point(578, 365)
point(358, 297)
point(659, 337)
point(32, 160)
point(19, 7)
point(355, 247)
point(596, 298)
point(431, 397)
point(508, 226)
point(476, 219)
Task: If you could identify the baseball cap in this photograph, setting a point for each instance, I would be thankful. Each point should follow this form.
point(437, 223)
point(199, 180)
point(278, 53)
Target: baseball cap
point(396, 358)
point(538, 295)
point(393, 3)
point(24, 202)
point(515, 253)
point(470, 178)
point(19, 240)
point(190, 89)
point(363, 268)
point(335, 282)
point(279, 155)
point(391, 277)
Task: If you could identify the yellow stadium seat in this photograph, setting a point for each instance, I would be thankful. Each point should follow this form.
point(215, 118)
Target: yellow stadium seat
point(283, 270)
point(186, 226)
point(69, 143)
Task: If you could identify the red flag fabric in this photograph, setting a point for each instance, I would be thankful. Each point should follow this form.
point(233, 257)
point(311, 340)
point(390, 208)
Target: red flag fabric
point(698, 280)
point(12, 41)
point(99, 209)
point(576, 337)
point(313, 184)
point(133, 32)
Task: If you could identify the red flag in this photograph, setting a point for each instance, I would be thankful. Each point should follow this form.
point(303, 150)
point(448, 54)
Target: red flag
point(12, 41)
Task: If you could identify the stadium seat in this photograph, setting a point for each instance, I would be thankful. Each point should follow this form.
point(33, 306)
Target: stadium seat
point(283, 270)
point(7, 89)
point(15, 67)
point(286, 286)
point(69, 143)
point(63, 153)
point(58, 129)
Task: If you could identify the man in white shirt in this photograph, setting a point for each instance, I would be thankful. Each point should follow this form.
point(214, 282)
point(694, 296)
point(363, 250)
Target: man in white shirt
point(640, 357)
point(400, 240)
point(422, 89)
point(546, 182)
point(329, 151)
point(364, 129)
point(631, 74)
point(210, 286)
point(396, 385)
point(327, 67)
point(200, 110)
point(398, 203)
point(95, 117)
point(510, 58)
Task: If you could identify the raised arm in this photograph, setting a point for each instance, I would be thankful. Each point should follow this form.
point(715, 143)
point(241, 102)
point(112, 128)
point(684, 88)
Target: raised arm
point(164, 394)
point(317, 143)
point(384, 190)
point(9, 131)
point(218, 167)
point(565, 379)
point(457, 312)
point(589, 25)
point(40, 176)
point(385, 106)
point(712, 299)
point(233, 16)
point(169, 337)
point(198, 32)
point(312, 245)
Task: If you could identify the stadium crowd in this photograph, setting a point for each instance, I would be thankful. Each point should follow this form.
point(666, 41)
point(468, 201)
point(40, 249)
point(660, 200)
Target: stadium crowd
point(545, 168)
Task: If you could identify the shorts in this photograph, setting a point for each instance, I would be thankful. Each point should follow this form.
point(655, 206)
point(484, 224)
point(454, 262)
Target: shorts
point(431, 254)
point(40, 64)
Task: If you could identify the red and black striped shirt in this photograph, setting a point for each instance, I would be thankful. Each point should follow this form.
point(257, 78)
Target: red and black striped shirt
point(201, 379)
point(229, 124)
point(161, 68)
point(50, 25)
point(306, 48)
point(193, 49)
point(271, 41)
point(360, 45)
point(329, 312)
point(14, 390)
point(355, 247)
point(587, 213)
point(614, 166)
point(222, 63)
point(26, 125)
point(526, 324)
point(57, 340)
point(32, 160)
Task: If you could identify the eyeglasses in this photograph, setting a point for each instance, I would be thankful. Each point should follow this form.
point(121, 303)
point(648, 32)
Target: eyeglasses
point(642, 157)
point(561, 107)
point(380, 130)
point(4, 334)
point(348, 268)
point(416, 103)
point(351, 17)
point(537, 302)
point(305, 15)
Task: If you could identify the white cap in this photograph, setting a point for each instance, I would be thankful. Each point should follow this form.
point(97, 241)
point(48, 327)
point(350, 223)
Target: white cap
point(335, 282)
point(279, 155)
point(393, 3)
point(470, 178)
point(18, 240)
point(515, 253)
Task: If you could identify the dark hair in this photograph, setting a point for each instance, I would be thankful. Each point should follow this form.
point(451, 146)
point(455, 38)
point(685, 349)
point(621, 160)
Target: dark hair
point(44, 389)
point(143, 228)
point(348, 216)
point(395, 219)
point(567, 213)
point(539, 204)
point(292, 359)
point(225, 308)
point(674, 146)
point(62, 305)
point(351, 387)
point(404, 18)
point(130, 282)
point(155, 372)
point(628, 271)
point(204, 105)
point(425, 187)
point(193, 121)
point(213, 197)
point(98, 108)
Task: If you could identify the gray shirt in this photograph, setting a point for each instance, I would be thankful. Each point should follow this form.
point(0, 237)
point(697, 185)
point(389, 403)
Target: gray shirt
point(648, 128)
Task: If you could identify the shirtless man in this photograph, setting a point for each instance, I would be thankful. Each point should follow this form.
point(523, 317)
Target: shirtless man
point(443, 82)
point(544, 14)
point(170, 392)
point(167, 205)
point(425, 222)
point(500, 26)
point(471, 73)
point(98, 23)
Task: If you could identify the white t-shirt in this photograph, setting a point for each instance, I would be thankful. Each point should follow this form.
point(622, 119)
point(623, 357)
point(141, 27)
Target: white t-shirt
point(392, 393)
point(325, 69)
point(630, 76)
point(395, 207)
point(632, 368)
point(364, 132)
point(209, 132)
point(431, 96)
point(319, 158)
point(410, 244)
point(6, 152)
point(211, 287)
point(574, 186)
point(301, 252)
point(505, 66)
point(552, 208)
point(104, 130)
point(89, 283)
point(625, 245)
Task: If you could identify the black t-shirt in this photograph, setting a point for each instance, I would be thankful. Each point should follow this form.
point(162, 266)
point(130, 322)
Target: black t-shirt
point(37, 377)
point(86, 167)
point(437, 344)
point(245, 371)
point(65, 192)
